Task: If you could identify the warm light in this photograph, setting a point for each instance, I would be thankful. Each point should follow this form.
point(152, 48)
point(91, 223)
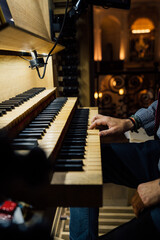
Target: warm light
point(100, 94)
point(121, 91)
point(97, 46)
point(114, 83)
point(138, 31)
point(122, 53)
point(96, 95)
point(142, 25)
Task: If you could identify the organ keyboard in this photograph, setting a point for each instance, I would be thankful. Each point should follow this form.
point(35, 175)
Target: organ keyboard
point(66, 188)
point(15, 120)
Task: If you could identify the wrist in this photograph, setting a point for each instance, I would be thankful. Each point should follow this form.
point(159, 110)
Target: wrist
point(136, 123)
point(158, 189)
point(129, 125)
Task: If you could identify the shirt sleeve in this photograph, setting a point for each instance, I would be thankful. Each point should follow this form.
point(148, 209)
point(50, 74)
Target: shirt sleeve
point(147, 118)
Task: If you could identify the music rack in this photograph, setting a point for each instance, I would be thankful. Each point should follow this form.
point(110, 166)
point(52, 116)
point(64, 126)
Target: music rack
point(13, 38)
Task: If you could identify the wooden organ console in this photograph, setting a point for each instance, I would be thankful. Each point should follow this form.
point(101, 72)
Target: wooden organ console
point(79, 185)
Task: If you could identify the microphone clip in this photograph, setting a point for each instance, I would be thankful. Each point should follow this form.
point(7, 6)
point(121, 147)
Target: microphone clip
point(36, 62)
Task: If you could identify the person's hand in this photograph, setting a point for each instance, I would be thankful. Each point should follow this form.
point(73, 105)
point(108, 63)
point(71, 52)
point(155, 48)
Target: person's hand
point(113, 125)
point(147, 195)
point(137, 204)
point(149, 192)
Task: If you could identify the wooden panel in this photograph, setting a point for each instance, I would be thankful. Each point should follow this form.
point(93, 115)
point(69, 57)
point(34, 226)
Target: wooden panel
point(59, 11)
point(59, 1)
point(17, 77)
point(85, 61)
point(58, 195)
point(45, 7)
point(17, 39)
point(31, 15)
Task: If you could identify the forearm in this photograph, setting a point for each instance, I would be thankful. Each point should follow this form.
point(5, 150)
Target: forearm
point(147, 195)
point(149, 192)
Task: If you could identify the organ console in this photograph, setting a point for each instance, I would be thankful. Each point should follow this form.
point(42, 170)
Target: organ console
point(63, 135)
point(32, 115)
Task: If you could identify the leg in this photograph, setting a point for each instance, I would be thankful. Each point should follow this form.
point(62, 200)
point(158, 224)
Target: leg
point(138, 228)
point(84, 223)
point(130, 164)
point(125, 164)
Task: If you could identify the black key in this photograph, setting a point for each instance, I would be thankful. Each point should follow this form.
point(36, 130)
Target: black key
point(34, 129)
point(35, 125)
point(74, 138)
point(72, 147)
point(4, 105)
point(16, 99)
point(68, 167)
point(24, 145)
point(49, 112)
point(72, 130)
point(24, 99)
point(30, 135)
point(44, 119)
point(74, 142)
point(16, 140)
point(41, 122)
point(80, 126)
point(5, 108)
point(78, 135)
point(72, 150)
point(71, 155)
point(70, 161)
point(50, 115)
point(46, 114)
point(13, 102)
point(3, 111)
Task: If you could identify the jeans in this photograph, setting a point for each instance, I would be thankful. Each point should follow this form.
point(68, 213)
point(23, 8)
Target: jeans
point(127, 164)
point(84, 223)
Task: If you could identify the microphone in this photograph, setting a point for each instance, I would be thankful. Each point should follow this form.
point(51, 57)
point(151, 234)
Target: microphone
point(77, 8)
point(36, 62)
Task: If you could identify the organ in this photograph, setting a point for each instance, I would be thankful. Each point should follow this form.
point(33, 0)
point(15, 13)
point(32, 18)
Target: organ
point(82, 187)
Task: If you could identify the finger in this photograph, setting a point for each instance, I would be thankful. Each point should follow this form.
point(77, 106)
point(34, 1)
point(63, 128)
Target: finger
point(94, 124)
point(95, 118)
point(107, 132)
